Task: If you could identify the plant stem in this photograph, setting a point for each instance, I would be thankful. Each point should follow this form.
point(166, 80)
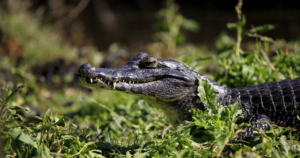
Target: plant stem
point(239, 29)
point(239, 40)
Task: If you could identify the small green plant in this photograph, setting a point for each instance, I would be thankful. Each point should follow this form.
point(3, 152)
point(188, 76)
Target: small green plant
point(239, 28)
point(7, 110)
point(207, 135)
point(48, 136)
point(169, 25)
point(259, 66)
point(218, 122)
point(238, 25)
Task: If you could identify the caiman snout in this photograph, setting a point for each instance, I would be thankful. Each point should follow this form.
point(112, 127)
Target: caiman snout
point(84, 68)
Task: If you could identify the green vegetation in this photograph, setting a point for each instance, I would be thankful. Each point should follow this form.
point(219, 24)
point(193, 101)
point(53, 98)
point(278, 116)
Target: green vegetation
point(37, 121)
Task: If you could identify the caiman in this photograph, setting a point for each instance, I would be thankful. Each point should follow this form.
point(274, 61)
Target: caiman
point(172, 87)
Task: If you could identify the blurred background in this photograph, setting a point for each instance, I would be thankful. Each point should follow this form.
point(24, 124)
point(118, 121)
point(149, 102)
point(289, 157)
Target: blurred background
point(133, 23)
point(43, 42)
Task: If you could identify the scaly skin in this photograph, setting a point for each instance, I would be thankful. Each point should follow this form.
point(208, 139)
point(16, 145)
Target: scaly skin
point(172, 86)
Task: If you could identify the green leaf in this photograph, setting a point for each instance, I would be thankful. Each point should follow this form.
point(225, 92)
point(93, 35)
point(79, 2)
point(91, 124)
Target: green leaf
point(180, 38)
point(263, 28)
point(243, 22)
point(46, 151)
point(34, 120)
point(141, 155)
point(7, 90)
point(235, 111)
point(190, 25)
point(18, 108)
point(95, 153)
point(12, 94)
point(22, 137)
point(162, 13)
point(235, 147)
point(225, 53)
point(231, 25)
point(206, 93)
point(202, 93)
point(85, 148)
point(68, 137)
point(43, 151)
point(128, 155)
point(47, 114)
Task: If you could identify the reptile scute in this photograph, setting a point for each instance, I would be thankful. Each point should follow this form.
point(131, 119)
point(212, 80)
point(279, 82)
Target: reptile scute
point(277, 100)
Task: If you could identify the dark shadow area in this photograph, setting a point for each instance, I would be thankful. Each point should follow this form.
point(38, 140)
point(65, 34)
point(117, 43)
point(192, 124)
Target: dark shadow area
point(130, 22)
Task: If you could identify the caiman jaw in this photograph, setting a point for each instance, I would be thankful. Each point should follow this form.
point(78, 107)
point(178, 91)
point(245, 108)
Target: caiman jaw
point(101, 82)
point(96, 81)
point(151, 87)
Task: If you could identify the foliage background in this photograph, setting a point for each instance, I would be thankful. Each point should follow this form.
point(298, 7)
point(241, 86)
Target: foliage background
point(44, 42)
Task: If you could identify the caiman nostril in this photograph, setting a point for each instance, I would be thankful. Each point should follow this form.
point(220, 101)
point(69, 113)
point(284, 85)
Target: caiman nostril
point(83, 68)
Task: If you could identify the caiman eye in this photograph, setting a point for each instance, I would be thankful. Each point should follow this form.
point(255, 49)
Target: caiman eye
point(149, 62)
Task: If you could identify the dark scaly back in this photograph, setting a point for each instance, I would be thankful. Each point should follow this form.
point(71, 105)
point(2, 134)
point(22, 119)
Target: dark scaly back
point(280, 101)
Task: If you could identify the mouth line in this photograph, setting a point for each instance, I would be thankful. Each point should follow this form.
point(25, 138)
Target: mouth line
point(108, 83)
point(112, 84)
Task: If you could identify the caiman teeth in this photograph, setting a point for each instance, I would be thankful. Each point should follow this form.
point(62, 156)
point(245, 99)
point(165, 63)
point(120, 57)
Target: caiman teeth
point(94, 80)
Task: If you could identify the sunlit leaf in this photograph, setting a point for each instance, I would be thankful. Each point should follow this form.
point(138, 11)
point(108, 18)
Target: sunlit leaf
point(190, 25)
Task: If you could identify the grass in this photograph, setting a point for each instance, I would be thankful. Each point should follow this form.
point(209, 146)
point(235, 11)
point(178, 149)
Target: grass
point(36, 121)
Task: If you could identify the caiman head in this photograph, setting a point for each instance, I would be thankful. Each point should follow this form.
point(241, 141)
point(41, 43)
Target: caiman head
point(168, 84)
point(144, 75)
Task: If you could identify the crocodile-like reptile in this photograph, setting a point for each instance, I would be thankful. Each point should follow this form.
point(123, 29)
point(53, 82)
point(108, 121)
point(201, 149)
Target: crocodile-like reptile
point(172, 86)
